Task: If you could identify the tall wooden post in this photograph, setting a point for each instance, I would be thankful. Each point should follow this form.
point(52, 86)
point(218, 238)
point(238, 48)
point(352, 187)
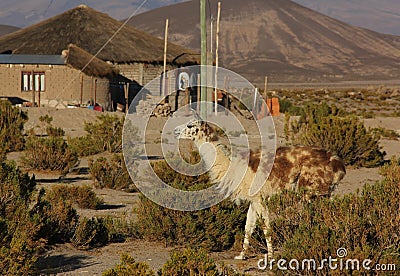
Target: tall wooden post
point(33, 88)
point(216, 58)
point(81, 89)
point(95, 91)
point(265, 87)
point(203, 70)
point(165, 58)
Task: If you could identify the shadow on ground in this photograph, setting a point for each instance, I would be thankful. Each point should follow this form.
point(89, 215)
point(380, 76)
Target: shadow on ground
point(62, 263)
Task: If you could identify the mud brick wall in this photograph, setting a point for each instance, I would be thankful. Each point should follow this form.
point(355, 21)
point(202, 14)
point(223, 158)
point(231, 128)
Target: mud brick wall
point(62, 85)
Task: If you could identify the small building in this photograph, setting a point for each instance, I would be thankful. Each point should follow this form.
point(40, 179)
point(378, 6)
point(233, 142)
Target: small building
point(83, 55)
point(58, 80)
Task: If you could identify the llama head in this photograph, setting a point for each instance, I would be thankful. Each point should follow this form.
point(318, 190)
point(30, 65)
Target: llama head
point(196, 130)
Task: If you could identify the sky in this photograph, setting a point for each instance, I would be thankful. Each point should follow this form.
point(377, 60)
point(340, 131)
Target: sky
point(379, 15)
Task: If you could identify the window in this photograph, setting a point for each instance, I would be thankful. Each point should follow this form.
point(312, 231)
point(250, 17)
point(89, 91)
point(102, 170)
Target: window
point(33, 80)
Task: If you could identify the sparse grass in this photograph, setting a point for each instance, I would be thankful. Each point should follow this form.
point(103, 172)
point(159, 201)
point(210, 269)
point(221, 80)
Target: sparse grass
point(12, 121)
point(104, 135)
point(325, 126)
point(111, 173)
point(90, 233)
point(83, 196)
point(366, 224)
point(49, 153)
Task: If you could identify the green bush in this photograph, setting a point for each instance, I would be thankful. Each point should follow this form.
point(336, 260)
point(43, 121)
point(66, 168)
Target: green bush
point(214, 228)
point(366, 224)
point(103, 135)
point(323, 126)
point(189, 262)
point(50, 130)
point(120, 228)
point(385, 133)
point(128, 266)
point(111, 173)
point(90, 233)
point(50, 153)
point(285, 106)
point(83, 196)
point(18, 247)
point(56, 217)
point(12, 121)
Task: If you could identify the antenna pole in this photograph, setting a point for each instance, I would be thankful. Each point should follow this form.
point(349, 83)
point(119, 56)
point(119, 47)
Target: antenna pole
point(165, 58)
point(203, 70)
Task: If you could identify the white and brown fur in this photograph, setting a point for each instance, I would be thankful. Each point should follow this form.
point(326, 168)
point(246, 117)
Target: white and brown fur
point(295, 167)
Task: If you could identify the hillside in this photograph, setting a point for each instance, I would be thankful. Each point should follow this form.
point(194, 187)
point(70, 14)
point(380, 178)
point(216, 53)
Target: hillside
point(6, 29)
point(382, 16)
point(283, 40)
point(27, 12)
point(91, 30)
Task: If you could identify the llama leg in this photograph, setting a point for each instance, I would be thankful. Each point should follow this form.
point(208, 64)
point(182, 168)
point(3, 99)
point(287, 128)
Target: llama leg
point(249, 228)
point(266, 227)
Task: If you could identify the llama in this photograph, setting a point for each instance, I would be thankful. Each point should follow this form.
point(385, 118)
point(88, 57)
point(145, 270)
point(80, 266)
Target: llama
point(295, 167)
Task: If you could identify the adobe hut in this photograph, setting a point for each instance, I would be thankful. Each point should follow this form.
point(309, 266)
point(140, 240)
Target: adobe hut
point(84, 33)
point(57, 80)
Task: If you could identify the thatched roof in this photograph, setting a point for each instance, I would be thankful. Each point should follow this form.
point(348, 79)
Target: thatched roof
point(80, 59)
point(90, 30)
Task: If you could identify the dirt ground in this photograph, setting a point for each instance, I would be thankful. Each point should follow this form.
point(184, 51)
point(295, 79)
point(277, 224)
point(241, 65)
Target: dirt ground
point(64, 259)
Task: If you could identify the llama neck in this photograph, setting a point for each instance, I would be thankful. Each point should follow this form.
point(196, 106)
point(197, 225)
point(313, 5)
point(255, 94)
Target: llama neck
point(216, 158)
point(227, 172)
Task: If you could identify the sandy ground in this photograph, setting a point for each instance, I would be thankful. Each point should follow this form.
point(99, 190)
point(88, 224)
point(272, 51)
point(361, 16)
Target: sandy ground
point(66, 260)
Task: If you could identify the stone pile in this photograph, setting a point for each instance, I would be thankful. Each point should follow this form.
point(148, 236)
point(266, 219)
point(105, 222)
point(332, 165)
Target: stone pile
point(155, 106)
point(162, 110)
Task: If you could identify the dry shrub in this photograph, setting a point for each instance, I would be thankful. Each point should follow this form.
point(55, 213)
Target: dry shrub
point(83, 196)
point(103, 135)
point(214, 228)
point(120, 228)
point(90, 233)
point(111, 173)
point(366, 224)
point(324, 126)
point(190, 262)
point(50, 153)
point(129, 266)
point(18, 246)
point(12, 121)
point(196, 262)
point(56, 217)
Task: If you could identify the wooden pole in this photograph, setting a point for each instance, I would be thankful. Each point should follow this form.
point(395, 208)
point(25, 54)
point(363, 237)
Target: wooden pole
point(95, 91)
point(265, 87)
point(203, 70)
point(165, 57)
point(91, 90)
point(216, 59)
point(81, 89)
point(33, 88)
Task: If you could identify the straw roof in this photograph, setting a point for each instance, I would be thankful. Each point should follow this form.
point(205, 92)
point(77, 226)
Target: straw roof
point(91, 30)
point(78, 58)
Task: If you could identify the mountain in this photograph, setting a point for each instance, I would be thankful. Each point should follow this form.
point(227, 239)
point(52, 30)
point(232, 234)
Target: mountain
point(6, 29)
point(24, 13)
point(382, 16)
point(283, 40)
point(92, 31)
